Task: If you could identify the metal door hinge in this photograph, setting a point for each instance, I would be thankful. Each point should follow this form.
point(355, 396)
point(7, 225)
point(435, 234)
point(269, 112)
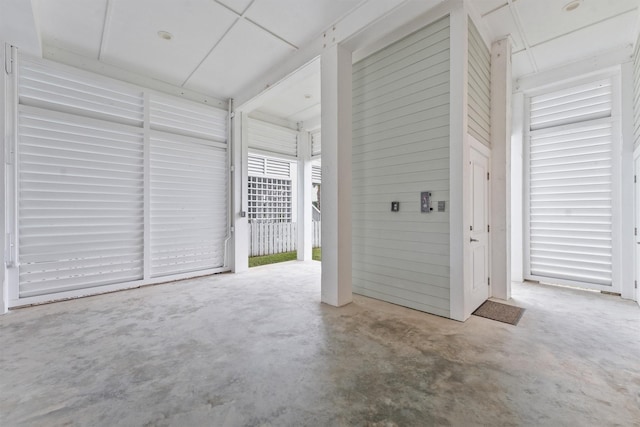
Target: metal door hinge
point(635, 231)
point(487, 176)
point(635, 284)
point(9, 259)
point(471, 228)
point(488, 281)
point(488, 228)
point(8, 58)
point(635, 178)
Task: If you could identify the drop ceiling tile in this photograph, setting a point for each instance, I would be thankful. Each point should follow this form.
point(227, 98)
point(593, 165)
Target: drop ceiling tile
point(244, 54)
point(238, 5)
point(307, 114)
point(132, 40)
point(73, 25)
point(295, 99)
point(588, 42)
point(502, 23)
point(486, 6)
point(298, 21)
point(521, 64)
point(543, 20)
point(297, 93)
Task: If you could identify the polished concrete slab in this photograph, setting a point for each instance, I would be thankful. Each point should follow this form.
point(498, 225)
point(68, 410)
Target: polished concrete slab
point(259, 349)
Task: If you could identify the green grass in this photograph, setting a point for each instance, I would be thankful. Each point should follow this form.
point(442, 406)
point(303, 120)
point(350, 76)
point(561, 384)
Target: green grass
point(255, 261)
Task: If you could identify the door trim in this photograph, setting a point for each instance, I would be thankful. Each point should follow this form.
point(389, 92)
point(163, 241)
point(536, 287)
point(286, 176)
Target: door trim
point(474, 144)
point(636, 222)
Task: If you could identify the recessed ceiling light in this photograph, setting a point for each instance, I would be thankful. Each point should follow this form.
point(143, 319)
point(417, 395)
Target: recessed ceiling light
point(165, 35)
point(307, 96)
point(571, 6)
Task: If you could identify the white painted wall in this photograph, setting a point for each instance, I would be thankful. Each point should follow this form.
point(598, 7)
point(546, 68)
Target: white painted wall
point(400, 148)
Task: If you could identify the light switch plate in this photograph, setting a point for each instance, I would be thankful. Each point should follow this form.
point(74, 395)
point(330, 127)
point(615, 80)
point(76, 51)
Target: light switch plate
point(425, 202)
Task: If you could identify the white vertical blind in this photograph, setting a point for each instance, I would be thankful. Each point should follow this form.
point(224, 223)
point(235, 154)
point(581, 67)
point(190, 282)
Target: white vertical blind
point(80, 202)
point(60, 88)
point(175, 115)
point(88, 149)
point(570, 185)
point(188, 204)
point(316, 143)
point(272, 138)
point(269, 166)
point(575, 104)
point(316, 174)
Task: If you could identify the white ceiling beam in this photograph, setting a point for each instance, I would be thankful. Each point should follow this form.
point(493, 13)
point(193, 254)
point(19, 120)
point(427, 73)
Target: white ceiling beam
point(19, 26)
point(105, 28)
point(372, 20)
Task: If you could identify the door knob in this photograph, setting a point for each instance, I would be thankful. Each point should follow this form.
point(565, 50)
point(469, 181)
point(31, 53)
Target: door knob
point(473, 240)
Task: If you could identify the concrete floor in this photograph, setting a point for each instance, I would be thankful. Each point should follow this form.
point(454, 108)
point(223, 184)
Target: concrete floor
point(258, 349)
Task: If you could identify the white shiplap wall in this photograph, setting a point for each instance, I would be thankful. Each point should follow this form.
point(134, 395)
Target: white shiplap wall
point(636, 93)
point(479, 87)
point(400, 148)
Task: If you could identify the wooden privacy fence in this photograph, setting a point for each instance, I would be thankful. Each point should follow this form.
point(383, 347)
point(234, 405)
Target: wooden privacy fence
point(267, 238)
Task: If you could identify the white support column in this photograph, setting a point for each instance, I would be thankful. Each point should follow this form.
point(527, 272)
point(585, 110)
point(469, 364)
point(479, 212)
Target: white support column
point(240, 223)
point(517, 190)
point(336, 175)
point(4, 294)
point(626, 190)
point(500, 234)
point(9, 186)
point(459, 252)
point(305, 220)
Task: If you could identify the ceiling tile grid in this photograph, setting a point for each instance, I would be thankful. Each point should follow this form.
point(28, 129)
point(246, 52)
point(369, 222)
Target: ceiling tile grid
point(242, 55)
point(213, 46)
point(546, 36)
point(218, 47)
point(74, 25)
point(132, 40)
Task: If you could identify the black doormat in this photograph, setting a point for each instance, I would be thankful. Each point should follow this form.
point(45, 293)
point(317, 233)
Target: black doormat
point(500, 312)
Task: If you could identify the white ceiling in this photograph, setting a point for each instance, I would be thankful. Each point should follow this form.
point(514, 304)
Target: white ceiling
point(546, 36)
point(297, 99)
point(218, 46)
point(221, 46)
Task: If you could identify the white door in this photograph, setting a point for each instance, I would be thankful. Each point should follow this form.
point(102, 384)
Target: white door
point(479, 236)
point(637, 227)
